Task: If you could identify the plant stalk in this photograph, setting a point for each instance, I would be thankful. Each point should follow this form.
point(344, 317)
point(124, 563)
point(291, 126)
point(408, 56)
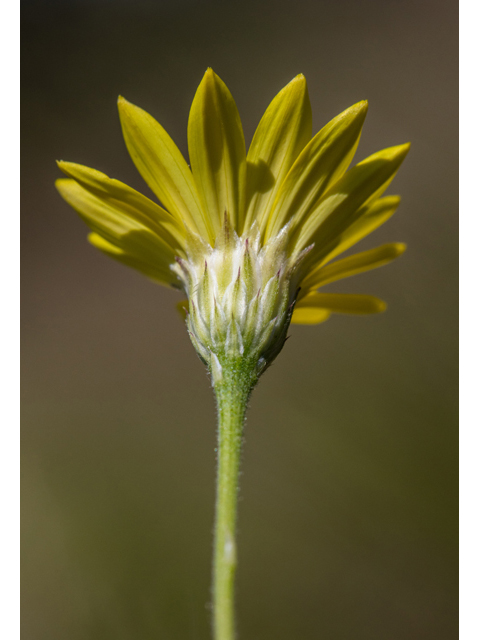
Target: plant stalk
point(232, 391)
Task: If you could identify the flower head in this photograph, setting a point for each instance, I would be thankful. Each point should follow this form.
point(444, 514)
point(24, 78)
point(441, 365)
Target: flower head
point(249, 237)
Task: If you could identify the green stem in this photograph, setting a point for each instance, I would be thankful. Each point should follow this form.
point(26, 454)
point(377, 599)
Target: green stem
point(232, 391)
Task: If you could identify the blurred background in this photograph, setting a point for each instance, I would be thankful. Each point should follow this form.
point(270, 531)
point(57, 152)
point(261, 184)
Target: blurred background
point(348, 513)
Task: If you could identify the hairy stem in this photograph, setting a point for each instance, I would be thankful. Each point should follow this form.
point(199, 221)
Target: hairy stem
point(232, 389)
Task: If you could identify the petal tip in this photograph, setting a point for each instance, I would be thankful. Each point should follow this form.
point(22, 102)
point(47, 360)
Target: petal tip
point(123, 104)
point(64, 166)
point(209, 81)
point(62, 185)
point(209, 75)
point(401, 150)
point(300, 79)
point(361, 107)
point(356, 113)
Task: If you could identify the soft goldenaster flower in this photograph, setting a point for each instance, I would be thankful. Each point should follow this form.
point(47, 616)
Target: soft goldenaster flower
point(249, 237)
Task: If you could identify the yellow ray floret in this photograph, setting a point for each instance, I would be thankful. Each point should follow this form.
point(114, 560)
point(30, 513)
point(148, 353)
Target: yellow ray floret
point(217, 152)
point(353, 265)
point(163, 167)
point(313, 308)
point(324, 159)
point(284, 130)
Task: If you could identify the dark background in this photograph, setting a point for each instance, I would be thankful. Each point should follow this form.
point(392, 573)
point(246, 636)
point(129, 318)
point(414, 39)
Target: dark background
point(348, 513)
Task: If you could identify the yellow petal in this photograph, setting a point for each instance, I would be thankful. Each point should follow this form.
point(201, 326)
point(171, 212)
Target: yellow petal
point(309, 315)
point(129, 202)
point(342, 303)
point(342, 205)
point(217, 151)
point(283, 132)
point(353, 265)
point(319, 165)
point(119, 229)
point(162, 166)
point(158, 275)
point(370, 218)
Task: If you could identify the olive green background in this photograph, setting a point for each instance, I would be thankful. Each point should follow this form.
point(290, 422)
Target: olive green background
point(348, 512)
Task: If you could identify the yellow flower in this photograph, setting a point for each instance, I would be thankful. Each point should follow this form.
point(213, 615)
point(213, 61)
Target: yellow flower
point(249, 237)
